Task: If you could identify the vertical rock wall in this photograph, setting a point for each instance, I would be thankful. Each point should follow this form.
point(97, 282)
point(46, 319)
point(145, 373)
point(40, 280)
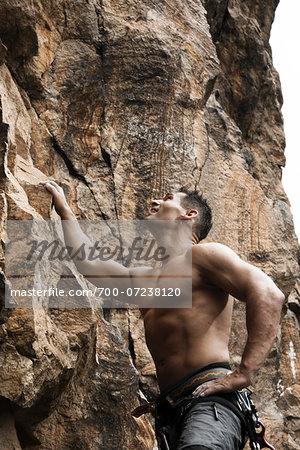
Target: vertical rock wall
point(119, 101)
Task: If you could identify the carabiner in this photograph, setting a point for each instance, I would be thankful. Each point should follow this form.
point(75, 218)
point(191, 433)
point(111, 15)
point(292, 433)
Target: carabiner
point(261, 436)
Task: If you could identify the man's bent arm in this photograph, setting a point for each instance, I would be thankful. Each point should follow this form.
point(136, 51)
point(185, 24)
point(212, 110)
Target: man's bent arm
point(223, 268)
point(263, 309)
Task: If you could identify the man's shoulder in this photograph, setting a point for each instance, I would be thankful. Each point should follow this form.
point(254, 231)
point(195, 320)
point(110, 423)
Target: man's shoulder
point(212, 252)
point(211, 247)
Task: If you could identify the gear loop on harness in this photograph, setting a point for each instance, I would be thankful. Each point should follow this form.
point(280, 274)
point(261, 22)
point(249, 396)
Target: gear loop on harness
point(247, 407)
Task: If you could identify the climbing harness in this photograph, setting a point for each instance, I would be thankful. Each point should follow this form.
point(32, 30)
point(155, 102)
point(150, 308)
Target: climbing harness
point(255, 428)
point(179, 400)
point(247, 407)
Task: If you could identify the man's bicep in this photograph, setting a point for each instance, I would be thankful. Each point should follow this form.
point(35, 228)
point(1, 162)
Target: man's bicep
point(233, 276)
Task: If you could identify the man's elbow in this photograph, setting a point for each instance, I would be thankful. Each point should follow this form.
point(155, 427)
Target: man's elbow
point(84, 267)
point(281, 297)
point(270, 296)
point(277, 297)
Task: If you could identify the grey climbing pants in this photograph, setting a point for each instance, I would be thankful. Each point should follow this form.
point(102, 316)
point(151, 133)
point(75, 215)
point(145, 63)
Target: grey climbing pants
point(210, 425)
point(204, 425)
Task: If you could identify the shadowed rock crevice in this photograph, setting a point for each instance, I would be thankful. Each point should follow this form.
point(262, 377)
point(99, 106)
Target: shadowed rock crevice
point(250, 77)
point(19, 35)
point(73, 172)
point(8, 432)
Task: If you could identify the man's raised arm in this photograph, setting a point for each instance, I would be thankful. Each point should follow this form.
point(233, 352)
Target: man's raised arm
point(95, 270)
point(222, 267)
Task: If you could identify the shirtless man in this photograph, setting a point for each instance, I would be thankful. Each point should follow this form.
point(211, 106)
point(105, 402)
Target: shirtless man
point(190, 345)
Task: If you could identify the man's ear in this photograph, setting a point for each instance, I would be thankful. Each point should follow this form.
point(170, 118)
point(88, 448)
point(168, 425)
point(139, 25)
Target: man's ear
point(190, 214)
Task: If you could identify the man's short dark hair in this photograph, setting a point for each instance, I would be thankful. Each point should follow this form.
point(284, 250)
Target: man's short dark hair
point(203, 222)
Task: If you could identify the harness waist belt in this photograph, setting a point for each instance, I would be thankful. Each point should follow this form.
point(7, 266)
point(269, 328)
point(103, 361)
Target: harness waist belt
point(181, 389)
point(194, 381)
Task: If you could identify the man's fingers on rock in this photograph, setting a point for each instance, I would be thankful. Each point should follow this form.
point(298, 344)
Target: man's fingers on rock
point(59, 188)
point(53, 183)
point(50, 187)
point(55, 186)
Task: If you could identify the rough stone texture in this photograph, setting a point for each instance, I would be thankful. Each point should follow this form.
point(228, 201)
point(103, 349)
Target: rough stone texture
point(119, 101)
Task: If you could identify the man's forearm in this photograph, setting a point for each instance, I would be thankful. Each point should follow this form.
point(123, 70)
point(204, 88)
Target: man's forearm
point(67, 215)
point(91, 269)
point(75, 239)
point(262, 317)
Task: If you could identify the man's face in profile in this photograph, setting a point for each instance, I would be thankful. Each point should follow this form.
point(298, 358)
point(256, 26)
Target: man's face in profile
point(167, 208)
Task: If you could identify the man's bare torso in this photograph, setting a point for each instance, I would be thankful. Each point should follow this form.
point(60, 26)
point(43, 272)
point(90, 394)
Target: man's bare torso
point(182, 340)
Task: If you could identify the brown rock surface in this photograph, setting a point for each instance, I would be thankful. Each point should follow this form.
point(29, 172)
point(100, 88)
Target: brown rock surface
point(119, 101)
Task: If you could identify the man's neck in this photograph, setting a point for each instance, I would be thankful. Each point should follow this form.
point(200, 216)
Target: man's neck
point(175, 245)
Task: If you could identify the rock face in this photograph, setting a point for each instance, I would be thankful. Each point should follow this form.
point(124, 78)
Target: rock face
point(119, 101)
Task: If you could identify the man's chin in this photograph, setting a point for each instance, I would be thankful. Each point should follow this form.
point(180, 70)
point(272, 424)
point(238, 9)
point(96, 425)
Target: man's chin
point(150, 217)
